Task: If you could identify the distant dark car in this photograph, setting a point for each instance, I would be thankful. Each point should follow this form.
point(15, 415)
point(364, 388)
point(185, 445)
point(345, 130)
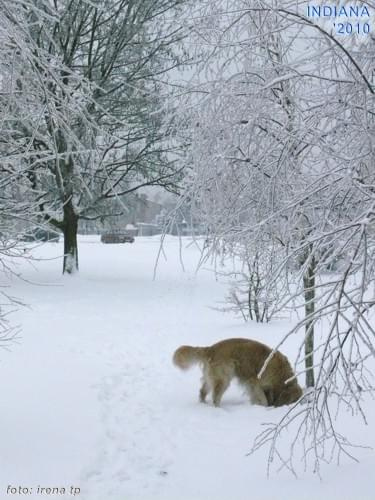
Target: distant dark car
point(39, 234)
point(116, 238)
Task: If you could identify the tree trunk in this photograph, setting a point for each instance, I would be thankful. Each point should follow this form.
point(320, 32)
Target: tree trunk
point(70, 228)
point(309, 293)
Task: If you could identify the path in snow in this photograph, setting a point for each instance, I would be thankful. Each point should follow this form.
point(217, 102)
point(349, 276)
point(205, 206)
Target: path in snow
point(91, 397)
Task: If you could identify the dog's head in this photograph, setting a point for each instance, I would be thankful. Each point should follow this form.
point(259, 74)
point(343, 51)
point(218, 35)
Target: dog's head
point(290, 394)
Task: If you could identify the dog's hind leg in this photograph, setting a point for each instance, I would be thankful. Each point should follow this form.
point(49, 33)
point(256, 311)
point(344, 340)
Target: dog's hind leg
point(205, 389)
point(219, 377)
point(219, 387)
point(206, 385)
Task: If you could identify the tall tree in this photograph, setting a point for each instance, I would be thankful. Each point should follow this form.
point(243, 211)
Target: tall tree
point(17, 101)
point(280, 146)
point(104, 115)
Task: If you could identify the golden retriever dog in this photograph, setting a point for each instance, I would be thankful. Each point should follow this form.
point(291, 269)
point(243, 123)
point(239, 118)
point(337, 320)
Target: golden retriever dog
point(242, 359)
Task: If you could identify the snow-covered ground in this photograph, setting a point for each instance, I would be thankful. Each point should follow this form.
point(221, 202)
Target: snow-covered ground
point(91, 400)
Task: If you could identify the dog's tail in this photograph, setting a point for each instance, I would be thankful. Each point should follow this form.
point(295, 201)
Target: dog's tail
point(187, 356)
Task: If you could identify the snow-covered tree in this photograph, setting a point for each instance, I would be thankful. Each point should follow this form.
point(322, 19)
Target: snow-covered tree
point(102, 65)
point(17, 102)
point(281, 151)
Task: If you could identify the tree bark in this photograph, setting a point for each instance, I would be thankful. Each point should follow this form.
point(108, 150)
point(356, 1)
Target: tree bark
point(70, 229)
point(309, 294)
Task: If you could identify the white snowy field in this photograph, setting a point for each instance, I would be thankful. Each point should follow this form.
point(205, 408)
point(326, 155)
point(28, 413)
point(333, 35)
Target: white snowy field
point(90, 398)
